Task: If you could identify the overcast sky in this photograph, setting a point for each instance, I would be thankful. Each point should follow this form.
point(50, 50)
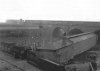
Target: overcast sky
point(79, 10)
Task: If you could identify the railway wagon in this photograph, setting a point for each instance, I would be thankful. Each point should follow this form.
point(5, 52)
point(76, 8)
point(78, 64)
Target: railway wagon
point(14, 50)
point(7, 47)
point(62, 51)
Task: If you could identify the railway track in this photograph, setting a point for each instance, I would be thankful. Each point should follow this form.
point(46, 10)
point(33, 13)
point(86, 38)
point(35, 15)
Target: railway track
point(15, 66)
point(20, 65)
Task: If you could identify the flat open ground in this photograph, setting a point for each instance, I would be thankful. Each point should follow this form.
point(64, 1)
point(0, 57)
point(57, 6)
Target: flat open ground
point(8, 63)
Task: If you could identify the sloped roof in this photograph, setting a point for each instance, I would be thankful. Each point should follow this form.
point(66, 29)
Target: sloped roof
point(75, 31)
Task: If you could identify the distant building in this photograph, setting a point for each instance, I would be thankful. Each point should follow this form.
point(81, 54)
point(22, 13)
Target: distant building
point(12, 21)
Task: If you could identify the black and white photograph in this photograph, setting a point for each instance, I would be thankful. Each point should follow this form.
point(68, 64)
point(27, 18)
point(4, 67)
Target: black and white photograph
point(49, 35)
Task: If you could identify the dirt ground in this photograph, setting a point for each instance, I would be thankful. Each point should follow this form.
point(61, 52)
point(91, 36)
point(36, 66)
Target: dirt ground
point(8, 63)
